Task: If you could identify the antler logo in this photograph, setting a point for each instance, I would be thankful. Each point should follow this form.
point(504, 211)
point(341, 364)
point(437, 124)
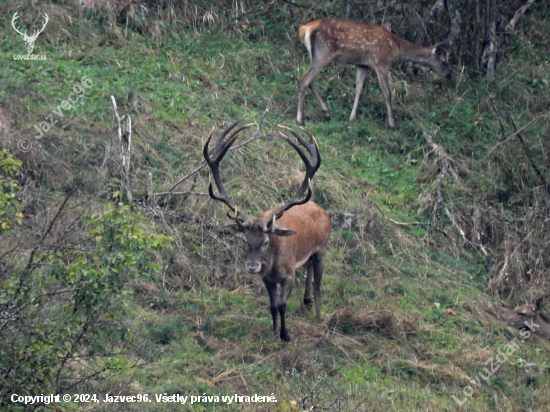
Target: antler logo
point(29, 40)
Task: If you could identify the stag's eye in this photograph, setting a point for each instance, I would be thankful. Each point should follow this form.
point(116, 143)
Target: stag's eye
point(266, 242)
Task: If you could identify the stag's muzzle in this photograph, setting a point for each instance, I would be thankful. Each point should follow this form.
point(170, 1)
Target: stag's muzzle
point(253, 267)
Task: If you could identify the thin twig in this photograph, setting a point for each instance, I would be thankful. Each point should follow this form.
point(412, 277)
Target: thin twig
point(522, 141)
point(188, 175)
point(408, 224)
point(48, 229)
point(516, 132)
point(180, 193)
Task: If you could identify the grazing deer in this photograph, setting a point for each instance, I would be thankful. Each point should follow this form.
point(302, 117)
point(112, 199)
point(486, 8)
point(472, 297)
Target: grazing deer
point(29, 40)
point(364, 45)
point(530, 317)
point(282, 239)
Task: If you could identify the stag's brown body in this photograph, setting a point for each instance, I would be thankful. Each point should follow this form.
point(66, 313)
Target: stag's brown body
point(311, 224)
point(363, 45)
point(284, 238)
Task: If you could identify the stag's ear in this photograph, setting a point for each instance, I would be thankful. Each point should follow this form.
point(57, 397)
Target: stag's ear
point(282, 231)
point(538, 304)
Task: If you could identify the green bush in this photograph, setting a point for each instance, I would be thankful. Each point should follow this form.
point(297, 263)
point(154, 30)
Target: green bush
point(10, 208)
point(65, 302)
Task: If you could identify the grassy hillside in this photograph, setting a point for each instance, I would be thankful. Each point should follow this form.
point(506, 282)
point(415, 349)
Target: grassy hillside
point(420, 258)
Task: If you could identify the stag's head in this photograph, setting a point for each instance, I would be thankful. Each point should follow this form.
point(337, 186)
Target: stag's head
point(259, 234)
point(29, 40)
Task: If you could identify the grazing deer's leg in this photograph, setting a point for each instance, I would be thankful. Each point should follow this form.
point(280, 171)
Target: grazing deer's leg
point(306, 80)
point(318, 264)
point(324, 105)
point(382, 73)
point(286, 288)
point(272, 292)
point(307, 293)
point(361, 73)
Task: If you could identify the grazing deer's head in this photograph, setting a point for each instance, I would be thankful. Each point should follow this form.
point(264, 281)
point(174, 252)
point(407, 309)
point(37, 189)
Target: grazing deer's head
point(284, 238)
point(29, 40)
point(439, 61)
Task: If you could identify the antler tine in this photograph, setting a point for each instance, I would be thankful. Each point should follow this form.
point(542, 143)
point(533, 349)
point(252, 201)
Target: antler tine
point(215, 172)
point(221, 138)
point(310, 171)
point(300, 139)
point(222, 146)
point(312, 165)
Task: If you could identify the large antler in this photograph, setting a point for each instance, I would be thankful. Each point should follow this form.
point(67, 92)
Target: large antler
point(219, 152)
point(311, 167)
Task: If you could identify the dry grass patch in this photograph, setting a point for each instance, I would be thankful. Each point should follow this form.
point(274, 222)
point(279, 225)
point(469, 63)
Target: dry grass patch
point(379, 320)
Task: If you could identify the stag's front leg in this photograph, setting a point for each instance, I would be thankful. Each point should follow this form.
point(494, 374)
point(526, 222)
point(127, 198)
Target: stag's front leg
point(286, 289)
point(318, 264)
point(272, 292)
point(309, 280)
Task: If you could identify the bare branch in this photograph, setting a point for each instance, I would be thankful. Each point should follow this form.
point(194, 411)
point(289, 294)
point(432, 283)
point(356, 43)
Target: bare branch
point(442, 156)
point(517, 15)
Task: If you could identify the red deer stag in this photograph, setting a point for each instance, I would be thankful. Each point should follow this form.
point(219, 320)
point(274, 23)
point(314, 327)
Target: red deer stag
point(284, 238)
point(529, 317)
point(364, 45)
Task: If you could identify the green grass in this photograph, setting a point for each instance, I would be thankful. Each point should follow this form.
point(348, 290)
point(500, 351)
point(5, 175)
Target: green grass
point(403, 318)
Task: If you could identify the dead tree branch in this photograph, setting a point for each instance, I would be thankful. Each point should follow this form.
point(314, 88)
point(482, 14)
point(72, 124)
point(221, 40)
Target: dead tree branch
point(435, 10)
point(125, 142)
point(442, 157)
point(517, 15)
point(517, 133)
point(447, 172)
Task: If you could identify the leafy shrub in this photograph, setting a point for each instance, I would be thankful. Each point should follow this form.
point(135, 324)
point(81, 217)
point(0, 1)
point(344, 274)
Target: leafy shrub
point(10, 208)
point(64, 302)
